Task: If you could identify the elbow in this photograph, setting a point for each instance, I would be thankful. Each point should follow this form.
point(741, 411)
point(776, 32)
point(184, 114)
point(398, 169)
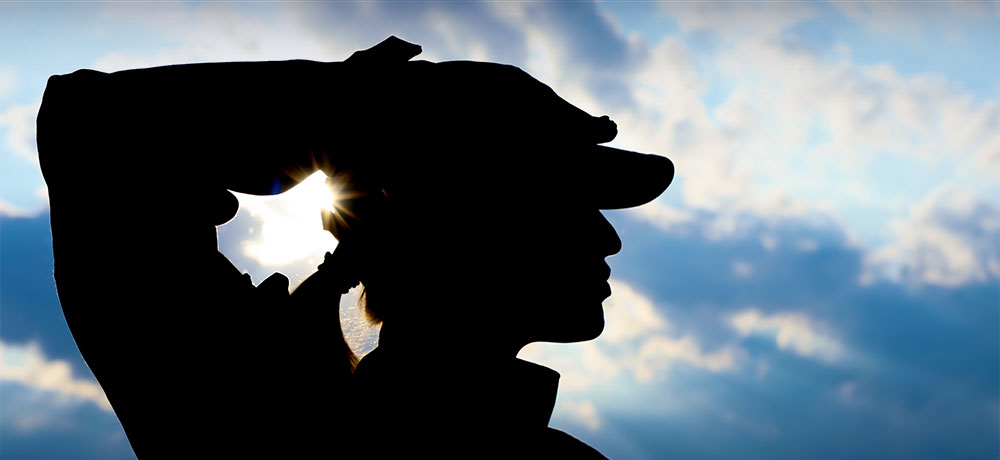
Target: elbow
point(66, 119)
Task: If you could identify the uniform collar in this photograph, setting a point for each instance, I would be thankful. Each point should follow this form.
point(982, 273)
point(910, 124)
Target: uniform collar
point(531, 391)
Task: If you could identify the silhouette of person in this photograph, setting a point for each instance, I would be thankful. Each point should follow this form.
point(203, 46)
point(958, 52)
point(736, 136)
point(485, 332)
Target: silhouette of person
point(469, 198)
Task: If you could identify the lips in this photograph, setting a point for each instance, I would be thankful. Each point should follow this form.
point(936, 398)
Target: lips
point(605, 285)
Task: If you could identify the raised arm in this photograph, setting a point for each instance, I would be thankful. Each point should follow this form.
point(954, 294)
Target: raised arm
point(239, 125)
point(192, 356)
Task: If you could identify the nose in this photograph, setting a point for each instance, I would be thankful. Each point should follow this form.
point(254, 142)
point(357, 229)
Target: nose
point(610, 241)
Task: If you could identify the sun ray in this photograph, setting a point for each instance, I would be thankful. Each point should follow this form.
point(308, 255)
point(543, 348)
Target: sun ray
point(291, 224)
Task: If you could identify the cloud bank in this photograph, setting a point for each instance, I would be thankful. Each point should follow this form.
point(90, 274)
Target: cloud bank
point(28, 366)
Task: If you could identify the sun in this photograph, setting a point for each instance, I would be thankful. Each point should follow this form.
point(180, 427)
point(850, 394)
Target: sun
point(290, 225)
point(313, 194)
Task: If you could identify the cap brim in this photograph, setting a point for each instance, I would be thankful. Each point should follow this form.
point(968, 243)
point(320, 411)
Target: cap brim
point(623, 179)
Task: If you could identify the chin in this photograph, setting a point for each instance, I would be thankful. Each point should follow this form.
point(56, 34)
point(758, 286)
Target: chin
point(581, 328)
point(593, 332)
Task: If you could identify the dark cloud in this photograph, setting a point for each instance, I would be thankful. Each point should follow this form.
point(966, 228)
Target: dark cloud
point(588, 47)
point(694, 274)
point(923, 383)
point(446, 30)
point(584, 31)
point(30, 307)
point(591, 49)
point(920, 382)
point(37, 425)
point(919, 378)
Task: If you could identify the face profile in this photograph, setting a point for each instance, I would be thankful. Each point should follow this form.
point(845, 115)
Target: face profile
point(565, 275)
point(518, 274)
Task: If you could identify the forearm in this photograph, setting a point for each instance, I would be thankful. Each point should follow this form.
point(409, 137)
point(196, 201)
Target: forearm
point(228, 124)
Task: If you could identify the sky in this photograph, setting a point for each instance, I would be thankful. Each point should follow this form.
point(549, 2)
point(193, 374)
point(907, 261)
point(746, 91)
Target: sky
point(821, 280)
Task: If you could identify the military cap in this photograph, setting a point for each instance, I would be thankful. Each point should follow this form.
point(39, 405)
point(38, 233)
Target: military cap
point(471, 127)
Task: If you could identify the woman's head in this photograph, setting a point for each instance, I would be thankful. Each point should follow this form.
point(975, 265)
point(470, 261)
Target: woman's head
point(472, 201)
point(510, 266)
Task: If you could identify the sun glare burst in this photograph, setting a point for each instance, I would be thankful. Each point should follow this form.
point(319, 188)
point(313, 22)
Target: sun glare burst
point(291, 229)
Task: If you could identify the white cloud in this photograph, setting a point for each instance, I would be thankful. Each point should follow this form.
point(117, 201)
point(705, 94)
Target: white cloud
point(791, 331)
point(796, 126)
point(950, 238)
point(583, 413)
point(785, 93)
point(912, 19)
point(11, 210)
point(636, 340)
point(582, 366)
point(920, 123)
point(742, 268)
point(8, 78)
point(806, 245)
point(755, 427)
point(212, 32)
point(19, 123)
point(664, 217)
point(745, 156)
point(629, 315)
point(735, 19)
point(752, 154)
point(659, 353)
point(987, 157)
point(781, 92)
point(801, 134)
point(847, 392)
point(769, 242)
point(28, 366)
point(762, 369)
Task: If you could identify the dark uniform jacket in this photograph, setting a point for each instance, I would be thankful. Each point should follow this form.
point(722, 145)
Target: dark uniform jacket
point(408, 405)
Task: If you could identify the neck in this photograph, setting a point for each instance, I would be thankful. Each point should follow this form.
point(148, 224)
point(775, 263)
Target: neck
point(457, 341)
point(414, 371)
